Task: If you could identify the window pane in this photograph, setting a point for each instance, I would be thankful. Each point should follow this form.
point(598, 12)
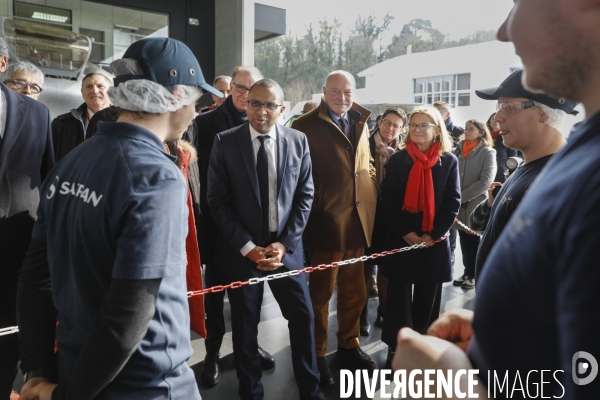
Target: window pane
point(429, 85)
point(446, 97)
point(437, 84)
point(429, 101)
point(464, 81)
point(436, 97)
point(464, 99)
point(420, 85)
point(448, 82)
point(453, 99)
point(418, 99)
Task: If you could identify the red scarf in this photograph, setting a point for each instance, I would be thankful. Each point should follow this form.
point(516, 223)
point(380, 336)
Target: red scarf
point(495, 134)
point(419, 189)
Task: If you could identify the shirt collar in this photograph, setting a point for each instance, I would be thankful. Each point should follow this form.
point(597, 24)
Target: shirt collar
point(254, 133)
point(334, 116)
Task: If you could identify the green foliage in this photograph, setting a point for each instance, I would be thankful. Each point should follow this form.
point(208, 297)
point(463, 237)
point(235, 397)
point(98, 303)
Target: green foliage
point(300, 65)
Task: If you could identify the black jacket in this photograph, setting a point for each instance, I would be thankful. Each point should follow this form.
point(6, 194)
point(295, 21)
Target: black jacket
point(68, 131)
point(454, 130)
point(430, 265)
point(26, 158)
point(502, 154)
point(209, 124)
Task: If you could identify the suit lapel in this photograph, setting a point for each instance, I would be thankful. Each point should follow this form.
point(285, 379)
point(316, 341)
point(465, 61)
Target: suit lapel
point(282, 152)
point(247, 150)
point(16, 112)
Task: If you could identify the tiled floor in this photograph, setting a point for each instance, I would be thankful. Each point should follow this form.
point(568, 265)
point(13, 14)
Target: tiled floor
point(273, 336)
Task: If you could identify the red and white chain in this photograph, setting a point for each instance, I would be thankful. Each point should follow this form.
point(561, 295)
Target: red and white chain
point(306, 270)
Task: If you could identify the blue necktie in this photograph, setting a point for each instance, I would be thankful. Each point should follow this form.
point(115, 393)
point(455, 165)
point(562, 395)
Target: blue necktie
point(262, 170)
point(343, 125)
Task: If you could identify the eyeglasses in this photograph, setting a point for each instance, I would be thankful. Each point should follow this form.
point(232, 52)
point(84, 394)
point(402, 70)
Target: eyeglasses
point(240, 88)
point(395, 127)
point(513, 107)
point(422, 127)
point(255, 105)
point(22, 83)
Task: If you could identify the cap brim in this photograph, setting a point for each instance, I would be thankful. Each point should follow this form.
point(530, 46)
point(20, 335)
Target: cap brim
point(210, 89)
point(496, 93)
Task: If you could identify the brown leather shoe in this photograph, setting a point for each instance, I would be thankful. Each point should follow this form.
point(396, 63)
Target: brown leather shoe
point(326, 375)
point(357, 357)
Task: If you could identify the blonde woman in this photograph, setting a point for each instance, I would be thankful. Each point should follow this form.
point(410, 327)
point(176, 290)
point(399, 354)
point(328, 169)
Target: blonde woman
point(421, 198)
point(477, 167)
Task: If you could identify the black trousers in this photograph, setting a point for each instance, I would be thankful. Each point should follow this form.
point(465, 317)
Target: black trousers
point(15, 236)
point(404, 308)
point(213, 308)
point(469, 245)
point(294, 300)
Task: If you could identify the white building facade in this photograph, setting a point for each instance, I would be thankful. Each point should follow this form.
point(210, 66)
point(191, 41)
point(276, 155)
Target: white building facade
point(450, 75)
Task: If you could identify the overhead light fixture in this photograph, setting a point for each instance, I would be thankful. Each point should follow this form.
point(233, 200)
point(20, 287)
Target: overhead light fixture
point(128, 28)
point(49, 17)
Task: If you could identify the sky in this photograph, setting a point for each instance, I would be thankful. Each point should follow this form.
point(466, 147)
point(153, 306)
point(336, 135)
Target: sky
point(456, 18)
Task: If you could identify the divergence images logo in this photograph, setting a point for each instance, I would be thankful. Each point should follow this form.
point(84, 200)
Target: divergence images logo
point(582, 363)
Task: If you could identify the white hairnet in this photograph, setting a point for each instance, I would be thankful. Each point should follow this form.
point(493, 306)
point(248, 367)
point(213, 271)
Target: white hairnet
point(145, 95)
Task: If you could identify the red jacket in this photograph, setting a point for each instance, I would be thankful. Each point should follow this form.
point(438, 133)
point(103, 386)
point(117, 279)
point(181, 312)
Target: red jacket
point(185, 153)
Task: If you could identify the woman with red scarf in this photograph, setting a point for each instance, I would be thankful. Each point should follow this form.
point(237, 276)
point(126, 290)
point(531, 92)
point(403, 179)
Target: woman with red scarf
point(421, 197)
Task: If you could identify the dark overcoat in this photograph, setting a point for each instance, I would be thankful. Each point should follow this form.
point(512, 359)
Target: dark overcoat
point(430, 265)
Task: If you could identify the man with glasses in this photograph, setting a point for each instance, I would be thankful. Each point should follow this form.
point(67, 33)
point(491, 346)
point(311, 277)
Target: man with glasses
point(529, 122)
point(69, 129)
point(260, 192)
point(342, 217)
point(26, 157)
point(25, 78)
point(230, 114)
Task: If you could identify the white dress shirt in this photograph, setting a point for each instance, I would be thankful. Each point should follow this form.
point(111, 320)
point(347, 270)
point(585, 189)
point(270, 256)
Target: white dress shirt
point(271, 147)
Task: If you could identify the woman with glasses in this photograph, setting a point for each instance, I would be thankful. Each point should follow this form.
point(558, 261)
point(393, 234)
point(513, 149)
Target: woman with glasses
point(384, 142)
point(477, 166)
point(421, 198)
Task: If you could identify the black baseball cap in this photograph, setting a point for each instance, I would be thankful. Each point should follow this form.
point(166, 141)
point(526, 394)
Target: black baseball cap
point(168, 62)
point(513, 87)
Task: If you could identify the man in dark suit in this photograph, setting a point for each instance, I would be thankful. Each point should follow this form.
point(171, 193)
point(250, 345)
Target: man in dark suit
point(228, 115)
point(26, 157)
point(260, 192)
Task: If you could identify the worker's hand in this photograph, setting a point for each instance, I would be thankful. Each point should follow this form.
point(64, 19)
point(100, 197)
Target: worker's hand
point(454, 326)
point(37, 389)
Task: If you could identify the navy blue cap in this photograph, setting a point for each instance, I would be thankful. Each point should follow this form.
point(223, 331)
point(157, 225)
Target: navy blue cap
point(168, 62)
point(513, 87)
